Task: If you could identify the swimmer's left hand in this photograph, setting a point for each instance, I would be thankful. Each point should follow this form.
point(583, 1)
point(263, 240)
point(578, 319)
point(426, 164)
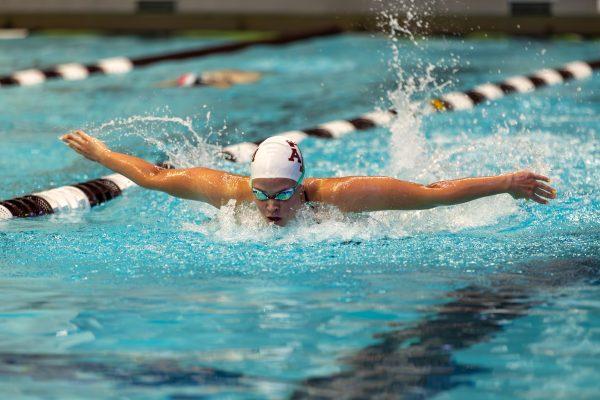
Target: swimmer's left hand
point(528, 185)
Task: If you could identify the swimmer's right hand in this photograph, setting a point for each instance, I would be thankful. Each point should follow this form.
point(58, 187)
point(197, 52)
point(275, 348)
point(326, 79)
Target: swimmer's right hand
point(89, 147)
point(530, 186)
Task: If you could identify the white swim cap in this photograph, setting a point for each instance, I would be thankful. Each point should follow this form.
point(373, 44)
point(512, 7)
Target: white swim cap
point(277, 157)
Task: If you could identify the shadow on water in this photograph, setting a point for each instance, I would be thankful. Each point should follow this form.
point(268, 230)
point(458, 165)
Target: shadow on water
point(73, 367)
point(416, 362)
point(413, 362)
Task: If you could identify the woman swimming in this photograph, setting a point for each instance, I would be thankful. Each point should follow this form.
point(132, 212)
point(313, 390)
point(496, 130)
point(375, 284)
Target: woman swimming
point(278, 188)
point(222, 78)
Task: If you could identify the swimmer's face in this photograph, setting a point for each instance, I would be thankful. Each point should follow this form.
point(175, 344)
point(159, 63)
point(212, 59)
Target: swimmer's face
point(278, 212)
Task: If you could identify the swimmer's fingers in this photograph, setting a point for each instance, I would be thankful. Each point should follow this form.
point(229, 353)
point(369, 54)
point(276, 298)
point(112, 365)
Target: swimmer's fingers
point(66, 137)
point(77, 139)
point(529, 185)
point(75, 147)
point(86, 145)
point(542, 193)
point(548, 191)
point(540, 177)
point(84, 136)
point(68, 140)
point(538, 199)
point(71, 142)
point(77, 136)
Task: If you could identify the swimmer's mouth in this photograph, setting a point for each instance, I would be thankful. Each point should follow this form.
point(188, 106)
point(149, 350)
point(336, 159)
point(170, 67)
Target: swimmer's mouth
point(274, 219)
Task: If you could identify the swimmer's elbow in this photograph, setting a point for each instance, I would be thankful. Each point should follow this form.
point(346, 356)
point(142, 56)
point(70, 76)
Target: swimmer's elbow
point(154, 180)
point(148, 183)
point(436, 196)
point(439, 194)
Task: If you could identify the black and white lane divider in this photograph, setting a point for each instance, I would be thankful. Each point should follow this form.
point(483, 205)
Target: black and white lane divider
point(80, 196)
point(242, 152)
point(98, 191)
point(455, 101)
point(121, 65)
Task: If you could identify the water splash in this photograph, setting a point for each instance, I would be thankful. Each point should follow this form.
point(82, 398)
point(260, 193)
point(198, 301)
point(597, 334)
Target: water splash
point(167, 138)
point(416, 79)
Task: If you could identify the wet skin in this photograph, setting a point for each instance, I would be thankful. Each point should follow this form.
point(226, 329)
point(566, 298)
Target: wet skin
point(278, 212)
point(348, 194)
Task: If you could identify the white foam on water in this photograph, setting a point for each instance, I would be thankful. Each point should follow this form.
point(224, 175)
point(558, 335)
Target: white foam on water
point(236, 223)
point(243, 223)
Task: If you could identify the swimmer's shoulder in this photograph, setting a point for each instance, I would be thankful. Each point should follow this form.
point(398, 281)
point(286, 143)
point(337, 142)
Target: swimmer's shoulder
point(313, 188)
point(327, 189)
point(230, 186)
point(239, 185)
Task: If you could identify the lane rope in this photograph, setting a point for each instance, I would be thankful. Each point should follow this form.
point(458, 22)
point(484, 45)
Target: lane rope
point(453, 101)
point(242, 152)
point(79, 196)
point(91, 193)
point(121, 65)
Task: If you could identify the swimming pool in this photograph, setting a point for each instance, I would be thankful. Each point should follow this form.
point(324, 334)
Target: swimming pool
point(153, 297)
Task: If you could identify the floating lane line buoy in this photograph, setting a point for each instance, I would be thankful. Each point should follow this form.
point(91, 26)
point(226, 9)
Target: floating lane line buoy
point(122, 65)
point(242, 152)
point(456, 101)
point(79, 196)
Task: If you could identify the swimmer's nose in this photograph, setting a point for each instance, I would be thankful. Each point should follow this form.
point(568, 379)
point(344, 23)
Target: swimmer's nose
point(272, 205)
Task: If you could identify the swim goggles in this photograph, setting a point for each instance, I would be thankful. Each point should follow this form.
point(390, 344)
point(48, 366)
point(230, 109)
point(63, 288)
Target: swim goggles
point(284, 195)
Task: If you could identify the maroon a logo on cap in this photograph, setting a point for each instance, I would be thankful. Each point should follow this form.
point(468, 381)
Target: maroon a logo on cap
point(295, 153)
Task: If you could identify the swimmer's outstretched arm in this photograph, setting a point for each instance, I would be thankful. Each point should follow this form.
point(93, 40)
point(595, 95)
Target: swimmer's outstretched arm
point(203, 184)
point(356, 194)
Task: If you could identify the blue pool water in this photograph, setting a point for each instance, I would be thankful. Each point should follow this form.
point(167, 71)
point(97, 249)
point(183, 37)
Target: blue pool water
point(150, 297)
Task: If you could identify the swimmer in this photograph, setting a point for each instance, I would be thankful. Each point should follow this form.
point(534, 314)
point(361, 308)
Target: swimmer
point(279, 189)
point(222, 78)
